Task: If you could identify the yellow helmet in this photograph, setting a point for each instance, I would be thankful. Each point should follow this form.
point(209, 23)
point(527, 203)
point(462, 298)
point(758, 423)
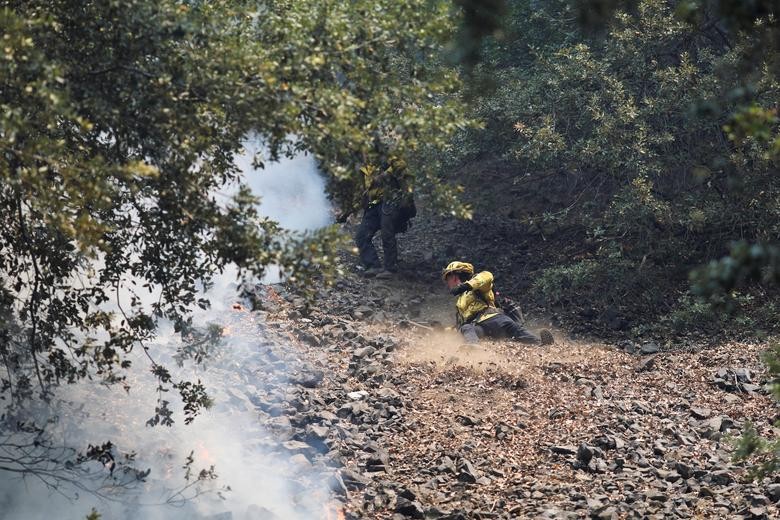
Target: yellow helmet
point(457, 267)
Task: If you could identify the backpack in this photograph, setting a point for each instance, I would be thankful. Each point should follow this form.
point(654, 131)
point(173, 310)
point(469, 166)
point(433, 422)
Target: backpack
point(407, 210)
point(507, 306)
point(511, 308)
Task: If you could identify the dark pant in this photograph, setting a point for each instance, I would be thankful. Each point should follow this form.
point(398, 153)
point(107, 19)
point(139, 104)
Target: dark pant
point(379, 217)
point(499, 326)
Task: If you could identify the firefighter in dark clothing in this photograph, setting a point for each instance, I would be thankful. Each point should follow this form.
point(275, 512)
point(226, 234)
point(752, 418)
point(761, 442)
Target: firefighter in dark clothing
point(389, 205)
point(477, 313)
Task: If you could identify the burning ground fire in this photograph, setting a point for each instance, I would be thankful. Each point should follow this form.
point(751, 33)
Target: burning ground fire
point(241, 321)
point(334, 511)
point(230, 435)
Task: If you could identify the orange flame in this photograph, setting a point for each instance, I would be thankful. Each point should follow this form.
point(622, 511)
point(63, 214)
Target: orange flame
point(203, 453)
point(273, 295)
point(334, 512)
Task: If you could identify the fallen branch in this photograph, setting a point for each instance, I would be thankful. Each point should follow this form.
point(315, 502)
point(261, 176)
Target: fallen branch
point(420, 325)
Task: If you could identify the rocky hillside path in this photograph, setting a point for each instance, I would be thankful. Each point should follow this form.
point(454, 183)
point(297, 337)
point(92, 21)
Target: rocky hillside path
point(404, 422)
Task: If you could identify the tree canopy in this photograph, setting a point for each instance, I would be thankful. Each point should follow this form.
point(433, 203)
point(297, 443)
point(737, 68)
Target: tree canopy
point(118, 128)
point(651, 132)
point(120, 121)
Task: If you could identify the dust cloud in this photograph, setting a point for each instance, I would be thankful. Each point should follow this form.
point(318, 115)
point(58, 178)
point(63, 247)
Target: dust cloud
point(446, 348)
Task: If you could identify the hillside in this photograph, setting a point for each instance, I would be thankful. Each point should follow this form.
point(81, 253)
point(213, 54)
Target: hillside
point(417, 426)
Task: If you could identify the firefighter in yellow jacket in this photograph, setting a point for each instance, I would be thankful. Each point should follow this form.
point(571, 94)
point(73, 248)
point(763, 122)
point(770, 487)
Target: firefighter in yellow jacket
point(388, 207)
point(477, 313)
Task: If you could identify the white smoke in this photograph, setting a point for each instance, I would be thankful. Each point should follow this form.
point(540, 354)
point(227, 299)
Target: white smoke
point(292, 190)
point(229, 435)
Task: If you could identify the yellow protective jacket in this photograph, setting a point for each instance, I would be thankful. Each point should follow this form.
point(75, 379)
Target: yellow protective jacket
point(479, 303)
point(391, 184)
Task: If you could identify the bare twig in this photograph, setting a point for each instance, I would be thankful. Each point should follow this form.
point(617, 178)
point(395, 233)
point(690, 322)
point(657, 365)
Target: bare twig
point(420, 325)
point(34, 296)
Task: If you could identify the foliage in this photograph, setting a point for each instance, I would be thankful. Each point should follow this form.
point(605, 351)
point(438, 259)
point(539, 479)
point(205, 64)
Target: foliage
point(119, 121)
point(368, 84)
point(667, 113)
point(564, 284)
point(665, 154)
point(751, 123)
point(763, 453)
point(745, 263)
point(481, 19)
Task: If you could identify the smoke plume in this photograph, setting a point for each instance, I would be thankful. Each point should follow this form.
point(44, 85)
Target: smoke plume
point(228, 436)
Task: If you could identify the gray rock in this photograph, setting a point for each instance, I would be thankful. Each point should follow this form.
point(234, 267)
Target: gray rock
point(308, 378)
point(722, 477)
point(317, 432)
point(773, 492)
point(684, 470)
point(358, 396)
point(355, 409)
point(657, 497)
point(646, 364)
point(606, 512)
point(378, 461)
point(389, 395)
point(408, 494)
point(700, 413)
point(296, 446)
point(362, 311)
point(299, 460)
point(564, 449)
point(328, 416)
point(594, 504)
point(466, 472)
point(758, 500)
point(705, 491)
point(673, 476)
point(408, 508)
point(353, 480)
point(447, 466)
point(308, 338)
point(650, 348)
point(584, 454)
point(336, 484)
point(605, 442)
point(743, 375)
point(467, 421)
point(715, 424)
point(363, 352)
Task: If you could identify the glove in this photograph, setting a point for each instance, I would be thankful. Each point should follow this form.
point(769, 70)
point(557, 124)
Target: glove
point(460, 289)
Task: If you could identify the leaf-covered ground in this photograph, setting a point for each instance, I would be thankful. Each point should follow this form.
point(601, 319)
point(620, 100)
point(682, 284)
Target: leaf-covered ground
point(417, 425)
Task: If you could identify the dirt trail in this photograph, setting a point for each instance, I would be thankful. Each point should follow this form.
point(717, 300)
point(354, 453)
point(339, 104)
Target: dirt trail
point(505, 430)
point(425, 428)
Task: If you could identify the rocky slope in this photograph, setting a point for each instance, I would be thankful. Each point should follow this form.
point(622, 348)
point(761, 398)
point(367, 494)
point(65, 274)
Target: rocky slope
point(403, 422)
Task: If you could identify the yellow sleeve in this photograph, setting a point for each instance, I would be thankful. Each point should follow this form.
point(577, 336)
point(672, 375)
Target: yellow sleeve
point(481, 281)
point(368, 171)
